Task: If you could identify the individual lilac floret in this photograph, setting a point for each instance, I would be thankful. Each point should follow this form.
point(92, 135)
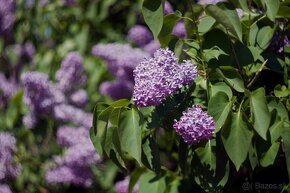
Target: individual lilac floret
point(121, 58)
point(179, 30)
point(117, 89)
point(195, 125)
point(167, 8)
point(152, 47)
point(79, 98)
point(159, 77)
point(71, 74)
point(69, 113)
point(69, 136)
point(8, 167)
point(5, 188)
point(140, 35)
point(279, 41)
point(7, 89)
point(122, 186)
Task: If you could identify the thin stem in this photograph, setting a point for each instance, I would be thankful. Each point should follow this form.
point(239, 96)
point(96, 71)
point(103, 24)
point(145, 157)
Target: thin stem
point(258, 72)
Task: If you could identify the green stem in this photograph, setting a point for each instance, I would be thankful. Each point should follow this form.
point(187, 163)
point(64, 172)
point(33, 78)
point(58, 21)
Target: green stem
point(204, 65)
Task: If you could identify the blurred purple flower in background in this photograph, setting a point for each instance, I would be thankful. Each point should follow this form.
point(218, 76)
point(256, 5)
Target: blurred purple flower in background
point(179, 30)
point(140, 35)
point(121, 58)
point(279, 41)
point(69, 113)
point(151, 47)
point(79, 98)
point(159, 77)
point(117, 89)
point(8, 167)
point(7, 18)
point(5, 188)
point(71, 75)
point(195, 125)
point(39, 95)
point(74, 167)
point(122, 186)
point(62, 100)
point(7, 89)
point(167, 8)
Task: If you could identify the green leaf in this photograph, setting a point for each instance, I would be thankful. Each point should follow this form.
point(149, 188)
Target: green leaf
point(149, 182)
point(120, 103)
point(153, 15)
point(237, 138)
point(269, 157)
point(165, 34)
point(286, 148)
point(281, 91)
point(211, 172)
point(130, 130)
point(228, 17)
point(150, 155)
point(272, 8)
point(223, 87)
point(264, 37)
point(260, 112)
point(232, 78)
point(213, 53)
point(205, 24)
point(284, 12)
point(219, 108)
point(253, 157)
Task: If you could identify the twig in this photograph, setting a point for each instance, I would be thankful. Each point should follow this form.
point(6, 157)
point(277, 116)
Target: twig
point(257, 74)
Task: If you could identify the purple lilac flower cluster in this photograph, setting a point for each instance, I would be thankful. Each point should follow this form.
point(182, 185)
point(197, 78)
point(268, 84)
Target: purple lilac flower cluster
point(121, 60)
point(122, 186)
point(195, 125)
point(159, 77)
point(8, 167)
point(62, 100)
point(7, 18)
point(140, 35)
point(74, 167)
point(179, 30)
point(7, 89)
point(279, 41)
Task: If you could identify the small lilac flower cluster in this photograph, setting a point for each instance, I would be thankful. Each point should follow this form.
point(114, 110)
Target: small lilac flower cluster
point(61, 101)
point(7, 89)
point(121, 60)
point(195, 125)
point(159, 77)
point(122, 186)
point(74, 167)
point(279, 41)
point(7, 18)
point(8, 167)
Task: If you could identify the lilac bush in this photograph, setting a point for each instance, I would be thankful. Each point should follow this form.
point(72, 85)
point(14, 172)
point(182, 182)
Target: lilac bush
point(140, 35)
